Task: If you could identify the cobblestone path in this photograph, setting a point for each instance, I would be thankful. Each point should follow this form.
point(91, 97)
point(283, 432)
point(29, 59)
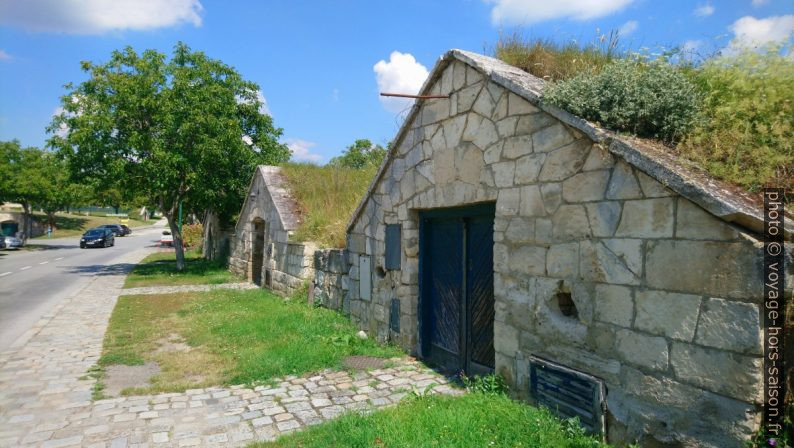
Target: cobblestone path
point(184, 288)
point(45, 397)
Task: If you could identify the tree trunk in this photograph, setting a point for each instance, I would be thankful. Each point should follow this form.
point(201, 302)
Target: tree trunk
point(178, 247)
point(51, 220)
point(27, 221)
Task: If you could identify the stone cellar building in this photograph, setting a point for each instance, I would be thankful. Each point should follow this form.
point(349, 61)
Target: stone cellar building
point(602, 277)
point(262, 249)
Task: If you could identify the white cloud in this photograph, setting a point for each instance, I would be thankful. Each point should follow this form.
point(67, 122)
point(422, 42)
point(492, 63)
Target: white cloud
point(263, 108)
point(704, 11)
point(335, 95)
point(691, 45)
point(628, 28)
point(300, 150)
point(524, 12)
point(751, 32)
point(3, 55)
point(402, 74)
point(98, 16)
point(63, 130)
point(760, 2)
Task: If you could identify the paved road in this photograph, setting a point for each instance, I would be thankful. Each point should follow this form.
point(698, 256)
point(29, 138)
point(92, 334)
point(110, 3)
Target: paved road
point(33, 282)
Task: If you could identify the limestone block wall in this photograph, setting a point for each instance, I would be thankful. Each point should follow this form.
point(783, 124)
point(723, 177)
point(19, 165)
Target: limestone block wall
point(331, 281)
point(217, 240)
point(667, 296)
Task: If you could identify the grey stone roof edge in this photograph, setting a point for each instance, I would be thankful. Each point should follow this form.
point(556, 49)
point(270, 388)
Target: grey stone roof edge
point(705, 191)
point(286, 205)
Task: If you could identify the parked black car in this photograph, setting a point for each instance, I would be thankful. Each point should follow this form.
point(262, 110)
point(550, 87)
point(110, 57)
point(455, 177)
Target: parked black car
point(118, 229)
point(99, 237)
point(127, 230)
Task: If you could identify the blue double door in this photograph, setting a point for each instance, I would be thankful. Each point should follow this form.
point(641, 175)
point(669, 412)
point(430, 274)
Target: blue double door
point(456, 289)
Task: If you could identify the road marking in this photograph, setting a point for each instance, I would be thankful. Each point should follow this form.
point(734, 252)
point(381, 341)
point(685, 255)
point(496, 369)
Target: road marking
point(26, 267)
point(4, 274)
point(44, 262)
point(59, 258)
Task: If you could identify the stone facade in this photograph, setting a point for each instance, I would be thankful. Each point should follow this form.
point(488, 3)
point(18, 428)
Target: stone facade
point(667, 295)
point(217, 239)
point(331, 280)
point(268, 218)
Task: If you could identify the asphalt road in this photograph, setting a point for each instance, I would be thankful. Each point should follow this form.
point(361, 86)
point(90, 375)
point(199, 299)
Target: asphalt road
point(33, 282)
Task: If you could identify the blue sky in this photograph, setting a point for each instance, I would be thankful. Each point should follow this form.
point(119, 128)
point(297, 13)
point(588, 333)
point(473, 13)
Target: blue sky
point(321, 64)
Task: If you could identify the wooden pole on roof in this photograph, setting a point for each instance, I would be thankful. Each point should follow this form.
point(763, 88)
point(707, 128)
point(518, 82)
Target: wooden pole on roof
point(421, 97)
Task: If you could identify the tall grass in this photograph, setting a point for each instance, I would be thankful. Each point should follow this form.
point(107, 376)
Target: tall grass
point(554, 61)
point(732, 114)
point(473, 420)
point(327, 195)
point(746, 131)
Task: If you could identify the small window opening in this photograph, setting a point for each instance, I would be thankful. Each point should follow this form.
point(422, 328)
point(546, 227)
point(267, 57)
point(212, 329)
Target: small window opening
point(566, 304)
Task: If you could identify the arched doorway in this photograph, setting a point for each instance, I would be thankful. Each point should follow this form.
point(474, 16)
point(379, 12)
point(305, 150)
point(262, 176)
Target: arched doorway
point(258, 251)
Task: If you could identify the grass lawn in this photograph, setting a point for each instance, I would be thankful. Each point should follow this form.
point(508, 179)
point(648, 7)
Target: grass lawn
point(67, 224)
point(160, 269)
point(473, 420)
point(228, 337)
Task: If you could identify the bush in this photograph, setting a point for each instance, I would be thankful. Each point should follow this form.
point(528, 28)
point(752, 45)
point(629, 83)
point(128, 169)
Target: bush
point(193, 235)
point(746, 135)
point(647, 98)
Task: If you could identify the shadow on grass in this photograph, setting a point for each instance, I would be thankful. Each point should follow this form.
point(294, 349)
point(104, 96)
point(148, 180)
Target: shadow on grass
point(64, 222)
point(193, 266)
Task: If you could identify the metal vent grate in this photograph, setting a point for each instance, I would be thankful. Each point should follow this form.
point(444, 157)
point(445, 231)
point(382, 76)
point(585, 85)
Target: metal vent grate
point(568, 392)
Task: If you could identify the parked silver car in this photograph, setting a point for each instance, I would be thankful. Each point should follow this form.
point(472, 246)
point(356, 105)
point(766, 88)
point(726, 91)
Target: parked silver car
point(13, 242)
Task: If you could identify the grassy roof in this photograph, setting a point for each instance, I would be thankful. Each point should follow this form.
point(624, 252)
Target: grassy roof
point(328, 196)
point(743, 131)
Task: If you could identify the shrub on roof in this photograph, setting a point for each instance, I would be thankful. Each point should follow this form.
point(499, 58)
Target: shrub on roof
point(648, 98)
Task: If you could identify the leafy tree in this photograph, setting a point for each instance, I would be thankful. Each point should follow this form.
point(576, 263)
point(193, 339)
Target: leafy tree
point(166, 130)
point(360, 154)
point(31, 177)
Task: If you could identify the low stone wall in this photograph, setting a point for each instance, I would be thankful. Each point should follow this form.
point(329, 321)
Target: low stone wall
point(331, 283)
point(291, 265)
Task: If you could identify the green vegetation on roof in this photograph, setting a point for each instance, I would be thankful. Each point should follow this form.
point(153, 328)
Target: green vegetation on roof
point(328, 196)
point(732, 114)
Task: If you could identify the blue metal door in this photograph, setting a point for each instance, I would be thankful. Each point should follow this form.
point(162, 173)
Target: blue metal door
point(456, 284)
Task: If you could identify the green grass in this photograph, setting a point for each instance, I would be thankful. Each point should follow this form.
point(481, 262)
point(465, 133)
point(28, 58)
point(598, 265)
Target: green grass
point(160, 269)
point(554, 61)
point(235, 337)
point(67, 224)
point(473, 420)
point(743, 129)
point(328, 195)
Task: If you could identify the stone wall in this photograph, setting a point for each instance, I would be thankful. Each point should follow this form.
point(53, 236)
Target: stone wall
point(216, 240)
point(667, 295)
point(286, 265)
point(331, 281)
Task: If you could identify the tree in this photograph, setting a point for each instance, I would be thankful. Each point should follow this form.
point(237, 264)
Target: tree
point(187, 129)
point(33, 177)
point(360, 154)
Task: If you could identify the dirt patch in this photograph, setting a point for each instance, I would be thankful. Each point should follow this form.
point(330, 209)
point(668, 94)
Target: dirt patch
point(172, 343)
point(363, 362)
point(119, 377)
